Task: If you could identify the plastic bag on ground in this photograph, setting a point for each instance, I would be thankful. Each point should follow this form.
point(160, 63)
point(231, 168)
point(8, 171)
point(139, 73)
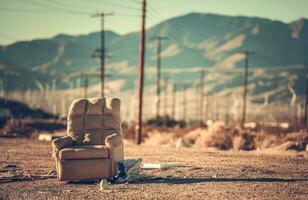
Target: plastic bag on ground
point(129, 170)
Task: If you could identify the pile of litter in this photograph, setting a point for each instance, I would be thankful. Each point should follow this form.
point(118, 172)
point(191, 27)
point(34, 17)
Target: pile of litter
point(130, 171)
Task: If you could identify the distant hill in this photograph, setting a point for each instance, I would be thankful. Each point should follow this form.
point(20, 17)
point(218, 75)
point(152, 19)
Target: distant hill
point(195, 40)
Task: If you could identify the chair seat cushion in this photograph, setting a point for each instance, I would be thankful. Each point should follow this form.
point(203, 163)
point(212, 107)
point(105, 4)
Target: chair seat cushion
point(84, 152)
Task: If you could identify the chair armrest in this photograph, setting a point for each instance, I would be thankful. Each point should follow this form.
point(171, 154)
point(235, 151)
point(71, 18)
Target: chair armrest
point(113, 140)
point(114, 143)
point(60, 143)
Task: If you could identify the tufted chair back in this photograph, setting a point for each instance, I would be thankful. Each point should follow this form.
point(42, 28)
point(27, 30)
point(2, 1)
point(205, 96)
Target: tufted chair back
point(90, 121)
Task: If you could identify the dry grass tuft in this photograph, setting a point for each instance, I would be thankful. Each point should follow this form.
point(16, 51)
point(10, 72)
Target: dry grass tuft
point(225, 137)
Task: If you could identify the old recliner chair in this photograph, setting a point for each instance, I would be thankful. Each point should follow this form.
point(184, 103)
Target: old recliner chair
point(93, 144)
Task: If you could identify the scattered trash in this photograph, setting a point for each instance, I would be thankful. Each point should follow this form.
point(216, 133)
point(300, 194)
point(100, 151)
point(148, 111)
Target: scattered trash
point(48, 137)
point(13, 173)
point(129, 170)
point(160, 165)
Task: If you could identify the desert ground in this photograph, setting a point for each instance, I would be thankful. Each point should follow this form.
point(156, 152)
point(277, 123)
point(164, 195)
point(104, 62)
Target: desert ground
point(207, 174)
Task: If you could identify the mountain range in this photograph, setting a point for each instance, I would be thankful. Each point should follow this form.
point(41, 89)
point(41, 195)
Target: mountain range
point(195, 41)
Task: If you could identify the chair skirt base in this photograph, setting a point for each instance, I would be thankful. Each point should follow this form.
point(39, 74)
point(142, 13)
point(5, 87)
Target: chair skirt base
point(85, 169)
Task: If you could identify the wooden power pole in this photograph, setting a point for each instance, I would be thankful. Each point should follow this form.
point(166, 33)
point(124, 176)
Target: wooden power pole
point(247, 56)
point(138, 128)
point(173, 101)
point(201, 96)
point(158, 57)
point(166, 99)
point(86, 82)
point(101, 52)
point(184, 104)
point(305, 121)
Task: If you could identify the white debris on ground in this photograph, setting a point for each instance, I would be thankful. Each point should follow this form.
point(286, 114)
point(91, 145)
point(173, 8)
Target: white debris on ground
point(46, 136)
point(129, 171)
point(160, 165)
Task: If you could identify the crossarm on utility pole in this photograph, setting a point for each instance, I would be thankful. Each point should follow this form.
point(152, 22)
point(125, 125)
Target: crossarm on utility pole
point(102, 50)
point(158, 58)
point(247, 56)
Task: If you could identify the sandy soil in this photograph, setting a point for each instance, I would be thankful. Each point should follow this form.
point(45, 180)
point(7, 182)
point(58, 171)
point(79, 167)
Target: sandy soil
point(208, 174)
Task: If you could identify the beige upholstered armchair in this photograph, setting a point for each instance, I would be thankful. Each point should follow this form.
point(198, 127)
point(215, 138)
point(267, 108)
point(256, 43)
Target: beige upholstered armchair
point(93, 144)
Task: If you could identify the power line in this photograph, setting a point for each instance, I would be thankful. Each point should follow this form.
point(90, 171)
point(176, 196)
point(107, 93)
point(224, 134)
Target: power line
point(135, 1)
point(176, 37)
point(175, 28)
point(115, 4)
point(35, 11)
point(53, 7)
point(67, 5)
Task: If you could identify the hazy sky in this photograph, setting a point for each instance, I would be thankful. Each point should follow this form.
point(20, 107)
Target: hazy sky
point(29, 19)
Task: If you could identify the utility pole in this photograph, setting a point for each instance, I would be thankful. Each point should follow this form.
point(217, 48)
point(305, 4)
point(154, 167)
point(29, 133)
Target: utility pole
point(184, 103)
point(201, 96)
point(86, 83)
point(158, 57)
point(101, 52)
point(5, 86)
point(138, 128)
point(173, 101)
point(197, 111)
point(207, 108)
point(305, 122)
point(247, 56)
point(166, 97)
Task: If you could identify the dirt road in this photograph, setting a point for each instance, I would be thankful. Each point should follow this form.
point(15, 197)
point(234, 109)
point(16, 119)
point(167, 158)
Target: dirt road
point(208, 174)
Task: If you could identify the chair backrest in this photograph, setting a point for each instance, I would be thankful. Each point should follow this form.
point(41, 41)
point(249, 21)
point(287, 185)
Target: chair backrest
point(90, 121)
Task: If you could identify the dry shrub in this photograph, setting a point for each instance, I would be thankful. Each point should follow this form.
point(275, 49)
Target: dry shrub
point(244, 141)
point(226, 137)
point(266, 142)
point(289, 141)
point(156, 138)
point(299, 139)
point(192, 136)
point(216, 136)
